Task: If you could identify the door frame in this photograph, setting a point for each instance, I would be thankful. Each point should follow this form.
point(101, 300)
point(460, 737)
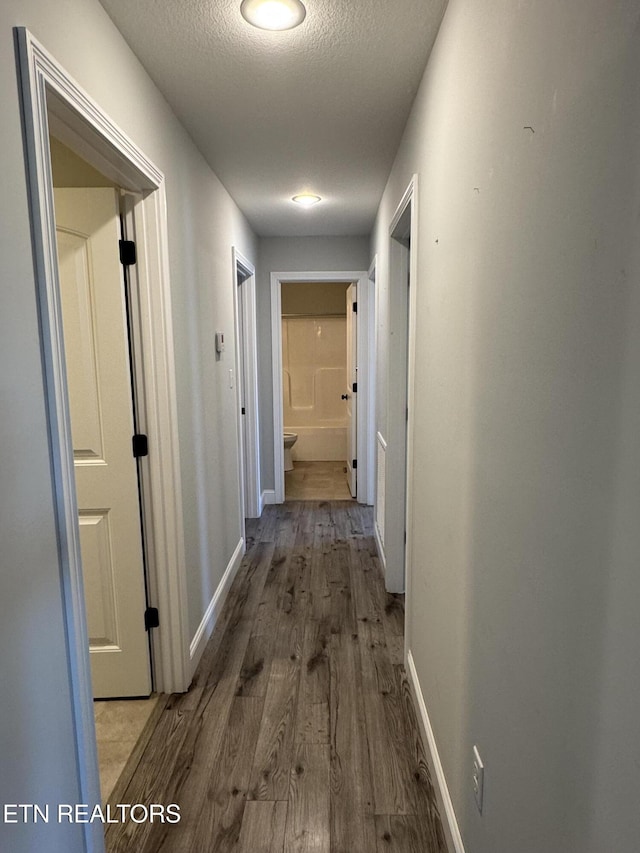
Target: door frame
point(351, 396)
point(399, 471)
point(121, 667)
point(373, 359)
point(246, 338)
point(52, 100)
point(365, 427)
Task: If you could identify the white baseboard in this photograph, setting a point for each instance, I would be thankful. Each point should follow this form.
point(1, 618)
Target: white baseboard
point(268, 496)
point(380, 547)
point(445, 806)
point(205, 629)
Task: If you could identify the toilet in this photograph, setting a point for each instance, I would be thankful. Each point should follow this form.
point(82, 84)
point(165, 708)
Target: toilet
point(290, 439)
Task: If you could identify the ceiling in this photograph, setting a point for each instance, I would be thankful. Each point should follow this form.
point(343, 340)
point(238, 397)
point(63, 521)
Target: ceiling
point(320, 108)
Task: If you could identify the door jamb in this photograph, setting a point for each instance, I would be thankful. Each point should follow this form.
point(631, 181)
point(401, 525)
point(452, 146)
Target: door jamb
point(372, 358)
point(365, 429)
point(398, 569)
point(53, 100)
point(246, 337)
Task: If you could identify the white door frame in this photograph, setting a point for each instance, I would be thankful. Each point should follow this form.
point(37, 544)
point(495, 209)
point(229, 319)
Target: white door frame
point(246, 337)
point(53, 100)
point(365, 428)
point(372, 359)
point(401, 424)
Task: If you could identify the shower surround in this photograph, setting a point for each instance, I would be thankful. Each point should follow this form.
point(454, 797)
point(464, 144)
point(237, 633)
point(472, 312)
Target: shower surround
point(314, 377)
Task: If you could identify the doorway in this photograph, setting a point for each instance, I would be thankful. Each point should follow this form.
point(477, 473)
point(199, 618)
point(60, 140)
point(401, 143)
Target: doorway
point(354, 384)
point(96, 329)
point(244, 297)
point(54, 104)
point(394, 457)
point(318, 363)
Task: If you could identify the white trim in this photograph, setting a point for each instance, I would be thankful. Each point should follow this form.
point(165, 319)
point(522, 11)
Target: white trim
point(379, 511)
point(365, 427)
point(268, 496)
point(403, 204)
point(165, 536)
point(366, 375)
point(205, 628)
point(373, 355)
point(399, 479)
point(445, 805)
point(276, 373)
point(48, 92)
point(411, 373)
point(380, 547)
point(247, 338)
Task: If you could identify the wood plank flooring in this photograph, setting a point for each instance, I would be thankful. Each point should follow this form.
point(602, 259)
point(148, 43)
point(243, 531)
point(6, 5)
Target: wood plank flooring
point(298, 734)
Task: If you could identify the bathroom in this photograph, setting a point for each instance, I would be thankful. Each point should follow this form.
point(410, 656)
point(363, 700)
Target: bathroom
point(314, 381)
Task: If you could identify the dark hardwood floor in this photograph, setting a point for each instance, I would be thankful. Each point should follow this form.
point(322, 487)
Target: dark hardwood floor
point(298, 733)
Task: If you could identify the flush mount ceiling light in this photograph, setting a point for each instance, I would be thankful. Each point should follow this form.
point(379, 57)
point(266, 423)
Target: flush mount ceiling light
point(306, 199)
point(273, 14)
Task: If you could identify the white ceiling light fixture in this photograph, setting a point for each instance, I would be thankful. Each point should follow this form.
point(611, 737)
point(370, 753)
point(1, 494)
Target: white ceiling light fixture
point(306, 199)
point(273, 14)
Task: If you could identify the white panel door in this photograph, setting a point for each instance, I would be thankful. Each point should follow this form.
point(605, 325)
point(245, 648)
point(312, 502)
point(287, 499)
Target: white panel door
point(100, 399)
point(351, 395)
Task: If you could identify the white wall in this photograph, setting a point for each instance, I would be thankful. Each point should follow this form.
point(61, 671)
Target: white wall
point(292, 254)
point(524, 613)
point(36, 742)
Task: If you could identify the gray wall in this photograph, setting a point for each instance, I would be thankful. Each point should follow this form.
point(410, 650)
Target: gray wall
point(292, 254)
point(36, 742)
point(524, 608)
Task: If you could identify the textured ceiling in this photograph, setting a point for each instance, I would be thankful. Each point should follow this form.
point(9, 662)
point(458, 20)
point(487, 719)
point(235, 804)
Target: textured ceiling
point(319, 108)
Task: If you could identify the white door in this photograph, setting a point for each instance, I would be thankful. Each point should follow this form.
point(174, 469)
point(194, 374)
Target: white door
point(352, 383)
point(99, 383)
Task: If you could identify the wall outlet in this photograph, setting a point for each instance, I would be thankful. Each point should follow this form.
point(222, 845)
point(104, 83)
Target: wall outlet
point(478, 778)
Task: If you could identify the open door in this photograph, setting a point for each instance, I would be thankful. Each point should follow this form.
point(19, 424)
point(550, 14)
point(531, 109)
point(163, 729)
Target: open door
point(100, 400)
point(351, 395)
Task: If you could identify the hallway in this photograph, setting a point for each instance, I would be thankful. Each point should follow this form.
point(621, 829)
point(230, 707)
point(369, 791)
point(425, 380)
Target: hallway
point(298, 733)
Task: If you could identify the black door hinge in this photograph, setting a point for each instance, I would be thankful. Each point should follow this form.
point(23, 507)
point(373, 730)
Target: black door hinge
point(140, 445)
point(354, 464)
point(127, 253)
point(242, 411)
point(151, 618)
point(354, 387)
point(355, 307)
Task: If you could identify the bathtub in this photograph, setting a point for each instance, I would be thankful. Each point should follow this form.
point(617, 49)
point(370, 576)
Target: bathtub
point(326, 443)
